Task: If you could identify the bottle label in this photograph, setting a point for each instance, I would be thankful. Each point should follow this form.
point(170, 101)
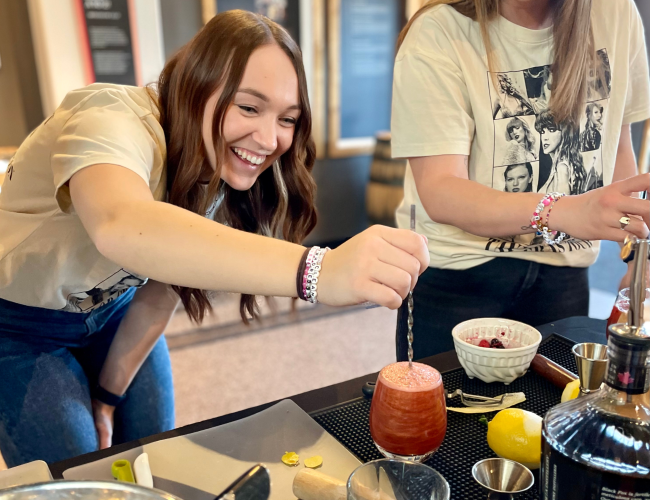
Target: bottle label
point(564, 479)
point(628, 374)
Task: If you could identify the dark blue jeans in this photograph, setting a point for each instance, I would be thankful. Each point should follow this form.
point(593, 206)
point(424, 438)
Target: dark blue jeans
point(49, 361)
point(508, 288)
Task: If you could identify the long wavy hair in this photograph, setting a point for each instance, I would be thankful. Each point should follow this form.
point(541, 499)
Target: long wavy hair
point(569, 150)
point(573, 48)
point(281, 202)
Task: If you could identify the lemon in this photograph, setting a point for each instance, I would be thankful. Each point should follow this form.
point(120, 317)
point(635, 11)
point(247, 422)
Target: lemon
point(516, 435)
point(571, 391)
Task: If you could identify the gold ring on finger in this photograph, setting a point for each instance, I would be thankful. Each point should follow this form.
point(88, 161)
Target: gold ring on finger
point(624, 221)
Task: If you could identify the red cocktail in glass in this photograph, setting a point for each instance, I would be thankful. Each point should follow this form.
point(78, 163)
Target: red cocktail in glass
point(408, 415)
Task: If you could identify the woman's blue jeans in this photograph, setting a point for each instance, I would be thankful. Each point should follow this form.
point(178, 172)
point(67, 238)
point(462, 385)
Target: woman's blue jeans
point(49, 361)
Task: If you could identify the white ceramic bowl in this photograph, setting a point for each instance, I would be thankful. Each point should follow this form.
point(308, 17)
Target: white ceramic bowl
point(495, 365)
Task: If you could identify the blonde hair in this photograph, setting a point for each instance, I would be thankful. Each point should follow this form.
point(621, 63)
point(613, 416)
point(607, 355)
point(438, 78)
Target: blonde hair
point(574, 52)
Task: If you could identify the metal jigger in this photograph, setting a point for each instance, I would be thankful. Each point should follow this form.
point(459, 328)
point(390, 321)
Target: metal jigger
point(592, 365)
point(502, 478)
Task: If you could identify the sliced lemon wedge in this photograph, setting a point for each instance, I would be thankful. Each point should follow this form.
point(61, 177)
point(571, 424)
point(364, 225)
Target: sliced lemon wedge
point(571, 391)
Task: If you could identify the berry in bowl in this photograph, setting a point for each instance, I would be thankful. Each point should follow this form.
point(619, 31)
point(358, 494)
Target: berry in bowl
point(495, 349)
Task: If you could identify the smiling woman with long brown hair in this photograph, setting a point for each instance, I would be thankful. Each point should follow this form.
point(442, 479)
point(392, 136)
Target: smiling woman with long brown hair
point(463, 70)
point(201, 183)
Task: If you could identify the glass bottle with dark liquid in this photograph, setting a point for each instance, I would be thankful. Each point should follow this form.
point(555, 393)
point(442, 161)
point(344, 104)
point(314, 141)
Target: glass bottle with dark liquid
point(597, 447)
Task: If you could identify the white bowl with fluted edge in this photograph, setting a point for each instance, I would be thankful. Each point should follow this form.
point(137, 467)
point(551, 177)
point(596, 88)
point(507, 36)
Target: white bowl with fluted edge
point(495, 365)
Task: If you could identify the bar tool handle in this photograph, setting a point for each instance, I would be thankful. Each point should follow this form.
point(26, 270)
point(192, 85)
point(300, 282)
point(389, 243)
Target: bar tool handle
point(551, 371)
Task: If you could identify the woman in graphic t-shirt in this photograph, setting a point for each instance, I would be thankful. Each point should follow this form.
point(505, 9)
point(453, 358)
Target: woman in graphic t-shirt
point(456, 61)
point(203, 184)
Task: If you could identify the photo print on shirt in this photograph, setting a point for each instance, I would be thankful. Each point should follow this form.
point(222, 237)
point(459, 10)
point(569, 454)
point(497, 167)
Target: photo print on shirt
point(533, 153)
point(103, 293)
point(510, 98)
point(516, 177)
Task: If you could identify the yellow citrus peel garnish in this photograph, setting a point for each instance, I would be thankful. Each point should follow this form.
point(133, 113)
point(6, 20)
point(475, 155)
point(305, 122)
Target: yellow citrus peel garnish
point(314, 462)
point(290, 458)
point(571, 391)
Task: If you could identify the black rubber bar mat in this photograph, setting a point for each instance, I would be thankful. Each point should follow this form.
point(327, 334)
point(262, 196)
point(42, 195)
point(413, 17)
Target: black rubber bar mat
point(465, 442)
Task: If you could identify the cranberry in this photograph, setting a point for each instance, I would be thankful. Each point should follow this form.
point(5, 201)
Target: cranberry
point(496, 344)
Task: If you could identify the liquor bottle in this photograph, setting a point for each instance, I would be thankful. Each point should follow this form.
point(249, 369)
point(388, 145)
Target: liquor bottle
point(597, 447)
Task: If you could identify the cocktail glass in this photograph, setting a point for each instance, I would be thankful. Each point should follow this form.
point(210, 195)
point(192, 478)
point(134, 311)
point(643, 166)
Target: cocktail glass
point(408, 414)
point(395, 479)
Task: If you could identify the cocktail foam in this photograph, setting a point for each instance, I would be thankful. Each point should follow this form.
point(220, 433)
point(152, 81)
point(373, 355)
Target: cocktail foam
point(419, 377)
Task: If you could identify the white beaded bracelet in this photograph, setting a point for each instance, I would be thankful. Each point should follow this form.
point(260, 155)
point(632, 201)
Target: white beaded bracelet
point(312, 272)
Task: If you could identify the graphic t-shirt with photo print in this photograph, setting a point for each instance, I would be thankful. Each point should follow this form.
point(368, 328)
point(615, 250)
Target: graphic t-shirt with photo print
point(445, 101)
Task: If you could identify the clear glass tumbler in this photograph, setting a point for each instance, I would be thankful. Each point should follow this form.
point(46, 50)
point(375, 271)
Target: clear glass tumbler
point(389, 479)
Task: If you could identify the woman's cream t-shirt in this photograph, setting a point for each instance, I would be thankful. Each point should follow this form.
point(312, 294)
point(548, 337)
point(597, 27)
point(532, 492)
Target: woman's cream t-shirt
point(446, 102)
point(47, 258)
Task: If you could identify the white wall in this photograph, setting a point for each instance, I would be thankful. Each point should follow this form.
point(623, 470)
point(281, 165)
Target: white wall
point(150, 39)
point(57, 44)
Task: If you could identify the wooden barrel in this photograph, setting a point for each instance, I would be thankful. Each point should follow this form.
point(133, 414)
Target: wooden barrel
point(385, 189)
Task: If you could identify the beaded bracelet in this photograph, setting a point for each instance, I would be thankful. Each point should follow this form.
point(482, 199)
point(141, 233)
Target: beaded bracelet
point(550, 207)
point(312, 272)
point(550, 237)
point(304, 275)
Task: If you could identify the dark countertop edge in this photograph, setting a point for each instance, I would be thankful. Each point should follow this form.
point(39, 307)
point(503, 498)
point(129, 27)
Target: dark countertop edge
point(310, 402)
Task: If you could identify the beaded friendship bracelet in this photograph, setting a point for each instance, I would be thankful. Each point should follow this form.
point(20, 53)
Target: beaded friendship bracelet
point(313, 251)
point(312, 272)
point(550, 237)
point(308, 273)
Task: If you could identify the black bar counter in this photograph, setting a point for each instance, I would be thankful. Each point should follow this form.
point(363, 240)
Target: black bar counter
point(577, 329)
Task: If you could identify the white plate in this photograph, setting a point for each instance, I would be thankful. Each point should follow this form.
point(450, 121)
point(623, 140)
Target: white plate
point(200, 465)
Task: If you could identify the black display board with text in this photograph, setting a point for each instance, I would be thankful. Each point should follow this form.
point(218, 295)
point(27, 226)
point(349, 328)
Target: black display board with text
point(110, 40)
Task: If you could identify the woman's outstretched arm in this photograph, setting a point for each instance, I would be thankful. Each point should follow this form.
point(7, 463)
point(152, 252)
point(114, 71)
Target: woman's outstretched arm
point(172, 245)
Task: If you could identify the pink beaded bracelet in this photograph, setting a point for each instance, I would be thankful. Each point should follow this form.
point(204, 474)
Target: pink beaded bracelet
point(312, 272)
point(550, 237)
